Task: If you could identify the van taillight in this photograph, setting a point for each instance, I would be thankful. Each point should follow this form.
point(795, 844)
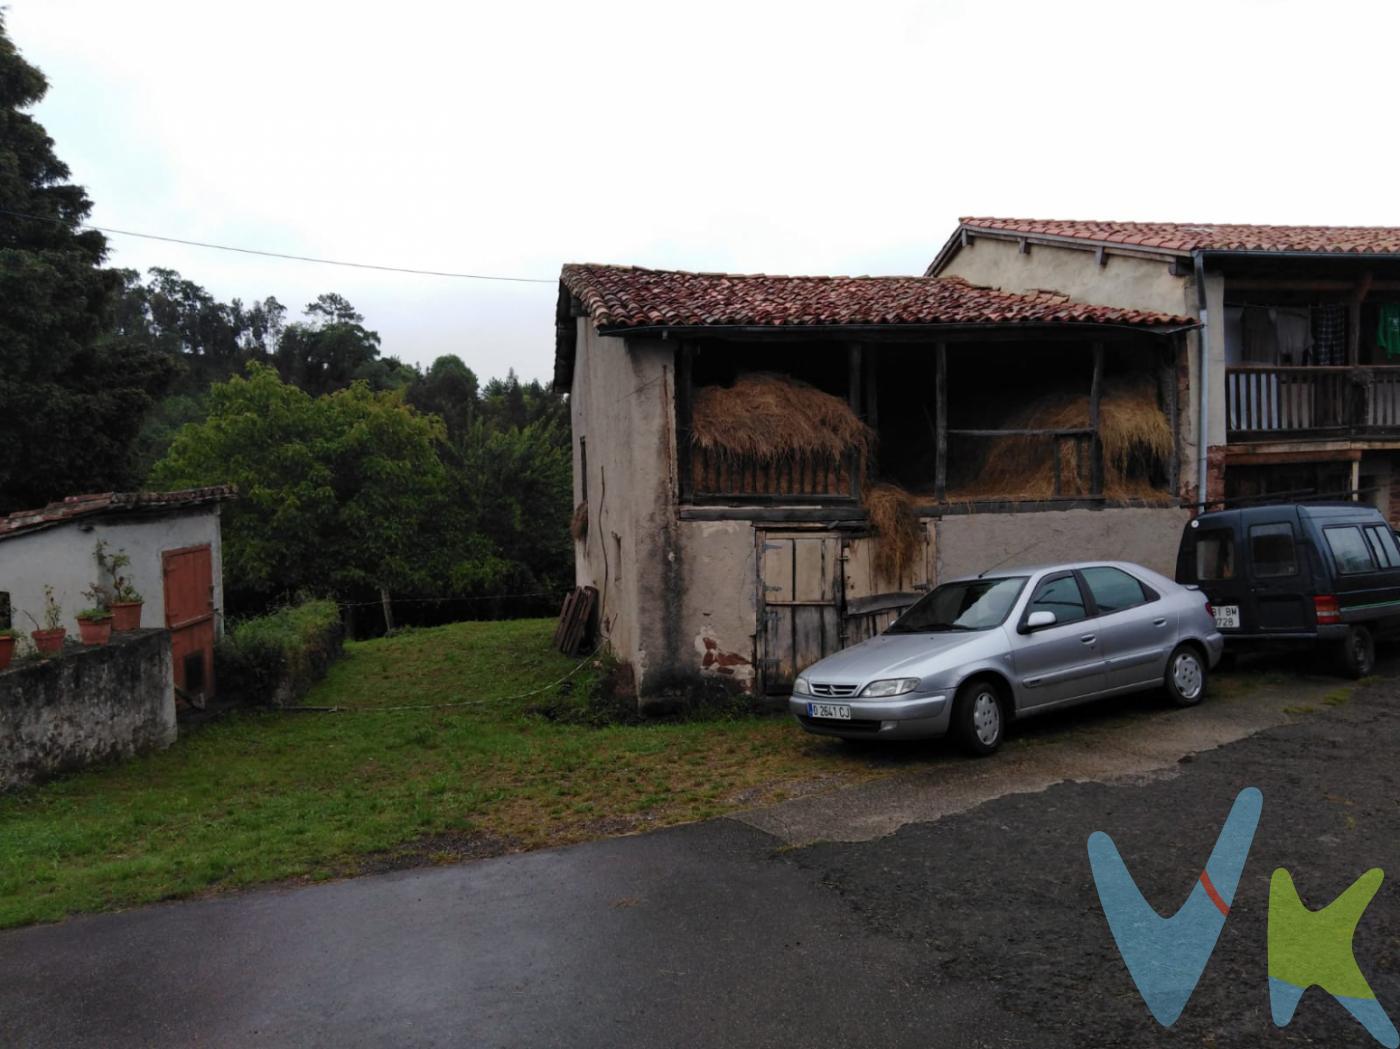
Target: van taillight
point(1210, 610)
point(1327, 610)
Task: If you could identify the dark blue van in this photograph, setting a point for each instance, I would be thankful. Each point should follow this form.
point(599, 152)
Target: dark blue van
point(1321, 574)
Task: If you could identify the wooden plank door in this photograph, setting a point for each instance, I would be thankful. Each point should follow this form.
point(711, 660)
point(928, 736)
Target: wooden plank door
point(873, 600)
point(799, 604)
point(189, 614)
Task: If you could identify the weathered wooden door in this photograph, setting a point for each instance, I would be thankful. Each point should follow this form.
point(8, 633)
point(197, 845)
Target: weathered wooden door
point(871, 599)
point(189, 613)
point(799, 581)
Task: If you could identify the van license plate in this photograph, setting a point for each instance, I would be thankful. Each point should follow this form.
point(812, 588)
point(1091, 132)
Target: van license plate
point(829, 710)
point(1227, 617)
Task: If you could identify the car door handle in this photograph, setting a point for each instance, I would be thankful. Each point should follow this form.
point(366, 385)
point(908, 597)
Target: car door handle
point(1088, 639)
point(1159, 622)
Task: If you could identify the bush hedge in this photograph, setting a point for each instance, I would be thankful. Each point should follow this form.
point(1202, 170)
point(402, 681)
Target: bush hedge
point(273, 660)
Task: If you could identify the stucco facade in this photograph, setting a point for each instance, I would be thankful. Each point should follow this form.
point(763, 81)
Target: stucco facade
point(683, 600)
point(62, 556)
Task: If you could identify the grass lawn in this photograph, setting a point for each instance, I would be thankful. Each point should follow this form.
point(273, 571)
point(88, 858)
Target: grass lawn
point(260, 797)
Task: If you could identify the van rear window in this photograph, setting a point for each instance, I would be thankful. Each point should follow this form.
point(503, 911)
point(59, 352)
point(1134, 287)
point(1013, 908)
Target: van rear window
point(1215, 554)
point(1349, 550)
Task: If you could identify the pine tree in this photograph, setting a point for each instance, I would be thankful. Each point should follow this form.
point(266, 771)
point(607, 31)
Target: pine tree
point(72, 393)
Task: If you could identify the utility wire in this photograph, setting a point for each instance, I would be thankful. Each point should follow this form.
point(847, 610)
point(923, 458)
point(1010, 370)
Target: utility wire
point(280, 255)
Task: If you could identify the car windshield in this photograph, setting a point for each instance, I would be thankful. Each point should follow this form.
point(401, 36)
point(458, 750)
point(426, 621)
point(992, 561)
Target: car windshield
point(973, 604)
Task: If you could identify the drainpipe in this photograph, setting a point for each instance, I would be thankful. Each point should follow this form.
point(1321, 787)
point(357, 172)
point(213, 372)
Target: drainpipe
point(1203, 338)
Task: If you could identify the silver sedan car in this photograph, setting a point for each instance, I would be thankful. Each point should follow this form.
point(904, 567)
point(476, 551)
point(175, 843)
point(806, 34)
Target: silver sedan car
point(975, 653)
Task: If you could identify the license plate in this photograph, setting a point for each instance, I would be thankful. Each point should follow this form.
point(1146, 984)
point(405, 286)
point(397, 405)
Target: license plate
point(829, 710)
point(1227, 617)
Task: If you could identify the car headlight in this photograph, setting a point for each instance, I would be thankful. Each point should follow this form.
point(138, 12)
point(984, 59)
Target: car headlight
point(893, 687)
point(801, 687)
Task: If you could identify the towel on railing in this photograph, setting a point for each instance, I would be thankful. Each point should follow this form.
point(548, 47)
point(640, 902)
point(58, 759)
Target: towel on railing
point(1389, 334)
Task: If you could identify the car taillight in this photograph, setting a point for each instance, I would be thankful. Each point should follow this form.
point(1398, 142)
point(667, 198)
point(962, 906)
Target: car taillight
point(1327, 609)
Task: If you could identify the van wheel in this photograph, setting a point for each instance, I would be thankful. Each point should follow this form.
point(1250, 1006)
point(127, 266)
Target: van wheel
point(979, 718)
point(1356, 655)
point(1186, 676)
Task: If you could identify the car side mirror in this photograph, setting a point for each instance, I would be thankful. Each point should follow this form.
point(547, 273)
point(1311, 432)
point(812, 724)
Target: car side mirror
point(1040, 620)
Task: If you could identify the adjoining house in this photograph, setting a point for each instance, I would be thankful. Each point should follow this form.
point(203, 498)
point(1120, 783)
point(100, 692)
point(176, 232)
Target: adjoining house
point(173, 541)
point(770, 468)
point(1301, 325)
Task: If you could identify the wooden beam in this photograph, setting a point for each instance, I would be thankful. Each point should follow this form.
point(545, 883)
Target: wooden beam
point(1167, 380)
point(1342, 286)
point(1095, 397)
point(1023, 245)
point(1101, 256)
point(1081, 432)
point(940, 421)
point(855, 373)
point(872, 399)
point(685, 367)
point(1351, 455)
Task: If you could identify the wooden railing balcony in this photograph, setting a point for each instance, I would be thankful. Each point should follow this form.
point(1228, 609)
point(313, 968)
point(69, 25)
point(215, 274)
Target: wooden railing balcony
point(1267, 401)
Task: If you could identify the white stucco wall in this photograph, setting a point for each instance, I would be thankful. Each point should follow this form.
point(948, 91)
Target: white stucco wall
point(971, 543)
point(62, 557)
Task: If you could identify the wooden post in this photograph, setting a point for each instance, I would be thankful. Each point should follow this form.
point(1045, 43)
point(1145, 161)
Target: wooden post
point(1168, 381)
point(685, 364)
point(856, 369)
point(940, 422)
point(872, 402)
point(388, 609)
point(1095, 395)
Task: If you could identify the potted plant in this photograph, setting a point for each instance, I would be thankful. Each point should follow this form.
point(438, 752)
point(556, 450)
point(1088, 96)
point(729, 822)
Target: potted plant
point(122, 598)
point(95, 626)
point(48, 639)
point(7, 647)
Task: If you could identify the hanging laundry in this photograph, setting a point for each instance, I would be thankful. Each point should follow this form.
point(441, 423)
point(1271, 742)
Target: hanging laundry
point(1260, 336)
point(1294, 335)
point(1389, 334)
point(1329, 324)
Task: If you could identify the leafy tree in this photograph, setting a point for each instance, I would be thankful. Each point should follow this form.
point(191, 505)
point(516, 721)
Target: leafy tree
point(331, 349)
point(73, 391)
point(447, 389)
point(337, 493)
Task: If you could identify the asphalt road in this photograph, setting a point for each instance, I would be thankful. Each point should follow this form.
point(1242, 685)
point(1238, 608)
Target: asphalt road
point(978, 929)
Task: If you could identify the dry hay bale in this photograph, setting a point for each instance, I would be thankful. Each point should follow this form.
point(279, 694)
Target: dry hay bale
point(898, 535)
point(1133, 428)
point(578, 524)
point(774, 418)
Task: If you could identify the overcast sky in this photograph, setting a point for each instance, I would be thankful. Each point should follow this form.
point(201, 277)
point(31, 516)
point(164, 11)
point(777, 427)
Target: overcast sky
point(753, 136)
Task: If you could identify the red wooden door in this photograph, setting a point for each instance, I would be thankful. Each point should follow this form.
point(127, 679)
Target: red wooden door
point(189, 613)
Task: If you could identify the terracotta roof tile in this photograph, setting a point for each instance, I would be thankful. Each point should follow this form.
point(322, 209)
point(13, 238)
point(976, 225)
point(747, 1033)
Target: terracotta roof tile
point(622, 297)
point(1187, 237)
point(76, 506)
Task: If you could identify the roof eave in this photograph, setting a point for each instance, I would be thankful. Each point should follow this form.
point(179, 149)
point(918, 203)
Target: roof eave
point(667, 331)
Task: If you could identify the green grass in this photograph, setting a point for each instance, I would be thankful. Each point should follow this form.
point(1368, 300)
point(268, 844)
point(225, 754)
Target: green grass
point(261, 796)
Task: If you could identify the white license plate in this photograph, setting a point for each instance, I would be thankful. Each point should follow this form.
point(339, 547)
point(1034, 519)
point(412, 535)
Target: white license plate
point(1227, 617)
point(829, 710)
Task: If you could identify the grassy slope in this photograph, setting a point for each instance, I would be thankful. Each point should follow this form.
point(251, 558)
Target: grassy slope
point(262, 797)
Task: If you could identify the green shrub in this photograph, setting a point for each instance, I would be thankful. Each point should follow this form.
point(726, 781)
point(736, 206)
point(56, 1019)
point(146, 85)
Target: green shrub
point(275, 659)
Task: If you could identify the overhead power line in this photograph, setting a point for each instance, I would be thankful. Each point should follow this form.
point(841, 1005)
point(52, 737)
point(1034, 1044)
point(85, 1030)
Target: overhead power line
point(282, 255)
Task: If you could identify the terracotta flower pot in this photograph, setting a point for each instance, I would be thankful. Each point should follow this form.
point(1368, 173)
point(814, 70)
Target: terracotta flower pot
point(126, 615)
point(7, 650)
point(48, 642)
point(95, 631)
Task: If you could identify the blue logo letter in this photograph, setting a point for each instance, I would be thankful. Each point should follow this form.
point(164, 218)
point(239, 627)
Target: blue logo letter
point(1166, 956)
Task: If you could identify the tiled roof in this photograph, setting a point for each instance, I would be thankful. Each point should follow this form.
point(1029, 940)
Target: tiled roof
point(1185, 237)
point(626, 297)
point(76, 506)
